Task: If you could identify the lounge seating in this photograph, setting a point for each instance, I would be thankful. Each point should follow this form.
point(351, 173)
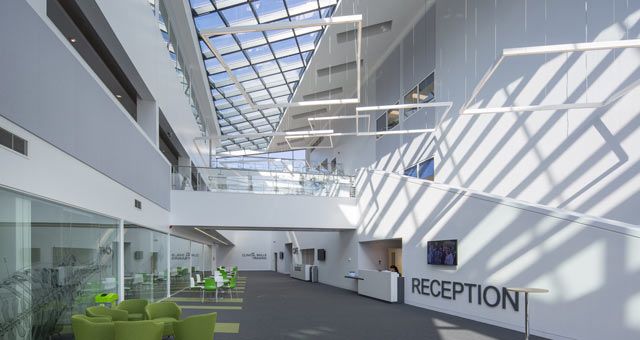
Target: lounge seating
point(165, 312)
point(197, 327)
point(92, 328)
point(102, 311)
point(135, 308)
point(138, 330)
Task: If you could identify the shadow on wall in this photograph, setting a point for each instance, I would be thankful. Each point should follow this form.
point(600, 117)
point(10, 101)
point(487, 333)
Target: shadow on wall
point(567, 159)
point(589, 270)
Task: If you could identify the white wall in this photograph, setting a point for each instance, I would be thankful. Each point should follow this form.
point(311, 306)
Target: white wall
point(341, 253)
point(589, 265)
point(52, 174)
point(147, 51)
point(246, 243)
point(374, 255)
point(536, 157)
point(56, 96)
point(202, 208)
point(580, 160)
point(412, 58)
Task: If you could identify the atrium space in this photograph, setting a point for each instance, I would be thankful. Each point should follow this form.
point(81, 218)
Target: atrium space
point(319, 169)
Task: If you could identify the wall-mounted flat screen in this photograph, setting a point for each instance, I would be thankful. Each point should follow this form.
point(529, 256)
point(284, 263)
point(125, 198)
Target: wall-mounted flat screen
point(443, 252)
point(322, 254)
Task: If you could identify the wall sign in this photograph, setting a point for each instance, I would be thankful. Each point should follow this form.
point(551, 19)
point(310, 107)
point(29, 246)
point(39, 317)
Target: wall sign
point(471, 292)
point(183, 256)
point(180, 256)
point(255, 256)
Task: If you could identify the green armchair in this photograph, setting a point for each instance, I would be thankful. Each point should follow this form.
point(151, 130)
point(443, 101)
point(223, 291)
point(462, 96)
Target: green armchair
point(164, 312)
point(102, 311)
point(134, 308)
point(92, 328)
point(197, 327)
point(138, 330)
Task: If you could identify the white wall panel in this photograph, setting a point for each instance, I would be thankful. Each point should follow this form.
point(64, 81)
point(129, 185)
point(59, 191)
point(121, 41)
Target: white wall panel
point(230, 209)
point(52, 174)
point(585, 263)
point(579, 160)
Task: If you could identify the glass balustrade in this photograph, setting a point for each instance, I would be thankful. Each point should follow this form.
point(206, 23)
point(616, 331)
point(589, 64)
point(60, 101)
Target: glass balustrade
point(262, 182)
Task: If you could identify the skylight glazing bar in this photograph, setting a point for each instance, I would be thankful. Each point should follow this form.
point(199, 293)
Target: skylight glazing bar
point(276, 26)
point(268, 65)
point(209, 33)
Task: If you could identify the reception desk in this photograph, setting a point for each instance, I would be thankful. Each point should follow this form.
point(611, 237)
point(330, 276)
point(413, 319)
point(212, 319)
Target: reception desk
point(380, 285)
point(301, 272)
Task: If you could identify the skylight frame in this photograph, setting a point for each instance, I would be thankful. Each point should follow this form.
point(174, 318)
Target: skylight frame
point(213, 11)
point(208, 34)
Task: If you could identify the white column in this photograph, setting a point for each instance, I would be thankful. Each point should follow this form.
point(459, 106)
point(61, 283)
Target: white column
point(121, 261)
point(190, 258)
point(168, 264)
point(148, 118)
point(23, 255)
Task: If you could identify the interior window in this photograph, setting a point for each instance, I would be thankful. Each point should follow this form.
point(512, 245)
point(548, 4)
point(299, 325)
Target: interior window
point(411, 98)
point(426, 170)
point(426, 89)
point(412, 171)
point(393, 118)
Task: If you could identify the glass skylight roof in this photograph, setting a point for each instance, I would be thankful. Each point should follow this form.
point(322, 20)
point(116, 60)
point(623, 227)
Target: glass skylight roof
point(268, 64)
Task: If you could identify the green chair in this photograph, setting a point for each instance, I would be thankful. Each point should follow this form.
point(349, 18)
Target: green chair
point(197, 327)
point(210, 285)
point(135, 308)
point(138, 330)
point(102, 311)
point(92, 328)
point(231, 285)
point(164, 312)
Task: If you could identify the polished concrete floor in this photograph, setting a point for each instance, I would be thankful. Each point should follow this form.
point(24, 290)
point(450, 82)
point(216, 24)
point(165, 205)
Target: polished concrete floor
point(274, 306)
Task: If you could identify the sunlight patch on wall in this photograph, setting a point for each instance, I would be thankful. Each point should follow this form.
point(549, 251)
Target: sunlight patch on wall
point(632, 312)
point(503, 254)
point(632, 257)
point(573, 280)
point(492, 226)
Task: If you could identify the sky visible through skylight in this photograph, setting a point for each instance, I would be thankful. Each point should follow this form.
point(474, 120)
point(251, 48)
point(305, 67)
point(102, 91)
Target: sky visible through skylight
point(268, 64)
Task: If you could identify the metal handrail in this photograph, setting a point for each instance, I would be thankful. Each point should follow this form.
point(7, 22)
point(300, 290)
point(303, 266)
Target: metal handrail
point(262, 181)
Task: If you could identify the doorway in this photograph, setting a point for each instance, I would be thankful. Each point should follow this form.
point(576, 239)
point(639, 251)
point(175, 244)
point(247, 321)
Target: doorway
point(275, 262)
point(288, 257)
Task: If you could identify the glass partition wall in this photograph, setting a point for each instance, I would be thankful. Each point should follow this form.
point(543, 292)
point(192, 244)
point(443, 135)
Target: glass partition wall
point(197, 257)
point(55, 259)
point(145, 263)
point(180, 263)
point(188, 258)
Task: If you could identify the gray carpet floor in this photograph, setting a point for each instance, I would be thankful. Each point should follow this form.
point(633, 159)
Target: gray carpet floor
point(275, 306)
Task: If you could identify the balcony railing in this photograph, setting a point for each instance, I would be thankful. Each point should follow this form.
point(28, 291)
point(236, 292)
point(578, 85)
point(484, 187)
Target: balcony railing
point(262, 182)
